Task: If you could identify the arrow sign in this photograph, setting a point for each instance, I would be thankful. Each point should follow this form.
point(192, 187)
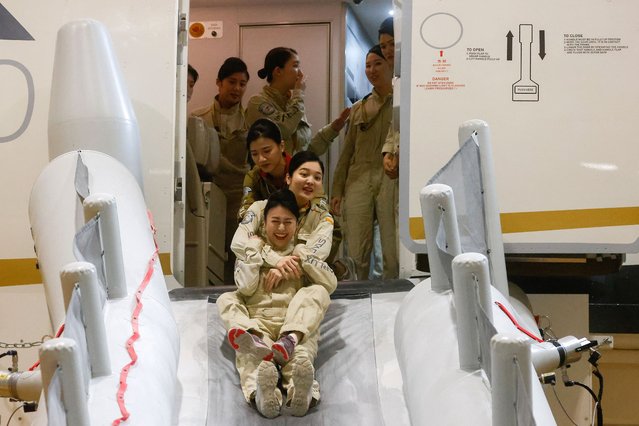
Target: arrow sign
point(509, 46)
point(10, 28)
point(542, 44)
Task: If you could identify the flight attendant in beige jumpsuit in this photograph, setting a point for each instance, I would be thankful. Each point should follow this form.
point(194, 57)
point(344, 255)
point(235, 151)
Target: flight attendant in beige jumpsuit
point(282, 101)
point(227, 116)
point(360, 187)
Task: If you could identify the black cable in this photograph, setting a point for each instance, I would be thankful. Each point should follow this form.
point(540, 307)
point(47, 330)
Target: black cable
point(7, 353)
point(12, 414)
point(594, 397)
point(599, 376)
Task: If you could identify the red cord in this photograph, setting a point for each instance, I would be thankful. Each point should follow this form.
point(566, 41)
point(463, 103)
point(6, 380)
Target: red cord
point(519, 327)
point(58, 334)
point(124, 373)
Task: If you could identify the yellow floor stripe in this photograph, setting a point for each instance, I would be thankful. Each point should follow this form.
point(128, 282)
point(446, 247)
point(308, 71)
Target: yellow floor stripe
point(24, 271)
point(552, 220)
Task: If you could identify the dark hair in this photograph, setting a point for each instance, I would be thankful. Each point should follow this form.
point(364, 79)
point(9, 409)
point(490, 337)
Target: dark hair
point(263, 128)
point(276, 57)
point(301, 158)
point(230, 67)
point(285, 198)
point(376, 50)
point(193, 73)
point(386, 27)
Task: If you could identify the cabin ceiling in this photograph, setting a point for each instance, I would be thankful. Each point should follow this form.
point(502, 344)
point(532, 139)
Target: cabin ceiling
point(370, 13)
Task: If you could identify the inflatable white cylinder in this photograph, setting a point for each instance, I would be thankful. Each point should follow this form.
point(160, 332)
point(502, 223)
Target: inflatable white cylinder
point(63, 352)
point(436, 201)
point(436, 390)
point(466, 268)
point(105, 205)
point(56, 214)
point(509, 355)
point(85, 275)
point(90, 107)
point(494, 241)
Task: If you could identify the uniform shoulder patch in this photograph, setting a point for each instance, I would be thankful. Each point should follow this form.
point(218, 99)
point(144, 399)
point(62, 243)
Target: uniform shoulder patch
point(247, 190)
point(266, 108)
point(248, 217)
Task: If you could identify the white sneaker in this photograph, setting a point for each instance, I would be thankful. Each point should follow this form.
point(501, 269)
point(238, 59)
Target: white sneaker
point(303, 375)
point(268, 397)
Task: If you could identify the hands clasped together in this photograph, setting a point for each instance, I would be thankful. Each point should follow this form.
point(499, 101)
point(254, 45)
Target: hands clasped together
point(287, 268)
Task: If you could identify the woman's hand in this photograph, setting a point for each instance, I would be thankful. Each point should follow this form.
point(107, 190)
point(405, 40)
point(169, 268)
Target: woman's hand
point(273, 278)
point(300, 83)
point(391, 165)
point(339, 123)
point(336, 206)
point(289, 267)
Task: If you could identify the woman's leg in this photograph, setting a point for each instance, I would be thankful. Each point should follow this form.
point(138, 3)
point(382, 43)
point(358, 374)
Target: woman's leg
point(298, 377)
point(358, 209)
point(385, 206)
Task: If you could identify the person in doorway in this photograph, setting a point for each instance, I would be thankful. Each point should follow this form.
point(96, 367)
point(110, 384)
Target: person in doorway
point(191, 79)
point(358, 183)
point(390, 150)
point(274, 315)
point(282, 101)
point(227, 116)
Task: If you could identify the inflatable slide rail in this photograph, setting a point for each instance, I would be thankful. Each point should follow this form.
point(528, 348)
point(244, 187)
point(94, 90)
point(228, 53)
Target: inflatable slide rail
point(123, 367)
point(485, 344)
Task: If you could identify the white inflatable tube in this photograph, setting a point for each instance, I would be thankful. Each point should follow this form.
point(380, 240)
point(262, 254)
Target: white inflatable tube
point(56, 213)
point(85, 275)
point(438, 206)
point(63, 353)
point(90, 106)
point(494, 240)
point(106, 206)
point(468, 269)
point(510, 353)
point(436, 390)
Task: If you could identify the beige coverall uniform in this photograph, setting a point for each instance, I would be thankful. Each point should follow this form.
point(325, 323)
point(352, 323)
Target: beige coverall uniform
point(367, 193)
point(290, 116)
point(295, 305)
point(231, 128)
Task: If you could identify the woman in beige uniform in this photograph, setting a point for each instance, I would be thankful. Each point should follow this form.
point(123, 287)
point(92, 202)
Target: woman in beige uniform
point(314, 232)
point(282, 101)
point(262, 309)
point(359, 186)
point(227, 115)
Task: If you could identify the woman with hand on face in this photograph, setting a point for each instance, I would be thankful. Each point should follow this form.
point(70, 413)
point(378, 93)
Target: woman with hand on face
point(282, 101)
point(358, 186)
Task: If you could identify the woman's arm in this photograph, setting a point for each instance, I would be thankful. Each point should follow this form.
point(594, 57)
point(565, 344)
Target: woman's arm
point(247, 271)
point(317, 271)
